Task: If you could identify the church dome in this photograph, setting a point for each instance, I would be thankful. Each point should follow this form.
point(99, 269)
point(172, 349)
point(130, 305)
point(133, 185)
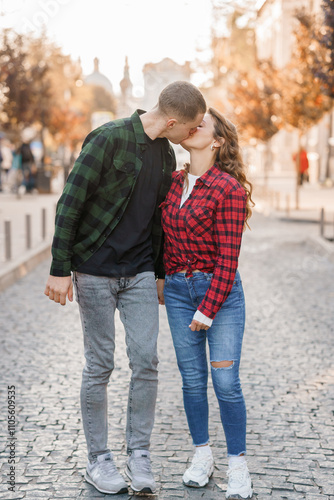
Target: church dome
point(97, 78)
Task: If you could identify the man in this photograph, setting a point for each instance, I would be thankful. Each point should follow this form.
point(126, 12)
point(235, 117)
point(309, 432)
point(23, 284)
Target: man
point(108, 232)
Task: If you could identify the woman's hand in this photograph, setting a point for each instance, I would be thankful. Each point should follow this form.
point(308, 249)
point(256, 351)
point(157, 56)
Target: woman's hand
point(196, 326)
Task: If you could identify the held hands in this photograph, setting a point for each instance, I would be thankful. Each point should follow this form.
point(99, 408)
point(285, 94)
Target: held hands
point(57, 288)
point(196, 326)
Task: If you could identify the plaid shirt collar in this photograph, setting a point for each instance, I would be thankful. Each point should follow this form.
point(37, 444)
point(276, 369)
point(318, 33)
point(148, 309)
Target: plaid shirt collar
point(209, 176)
point(138, 126)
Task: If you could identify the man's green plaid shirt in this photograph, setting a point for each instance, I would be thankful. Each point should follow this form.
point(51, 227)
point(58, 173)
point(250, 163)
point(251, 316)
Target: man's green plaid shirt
point(98, 190)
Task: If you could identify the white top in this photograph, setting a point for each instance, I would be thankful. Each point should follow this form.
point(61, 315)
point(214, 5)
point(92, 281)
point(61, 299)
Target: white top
point(198, 316)
point(187, 192)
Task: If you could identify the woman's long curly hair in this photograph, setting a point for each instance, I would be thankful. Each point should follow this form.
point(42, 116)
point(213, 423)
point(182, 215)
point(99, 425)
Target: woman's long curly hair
point(228, 157)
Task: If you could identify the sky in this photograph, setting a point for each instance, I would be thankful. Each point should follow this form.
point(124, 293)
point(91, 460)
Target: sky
point(144, 30)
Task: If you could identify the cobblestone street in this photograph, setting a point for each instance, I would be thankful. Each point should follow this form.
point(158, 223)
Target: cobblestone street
point(287, 375)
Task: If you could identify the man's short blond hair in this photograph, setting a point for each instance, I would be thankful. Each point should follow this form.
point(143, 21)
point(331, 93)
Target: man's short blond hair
point(181, 100)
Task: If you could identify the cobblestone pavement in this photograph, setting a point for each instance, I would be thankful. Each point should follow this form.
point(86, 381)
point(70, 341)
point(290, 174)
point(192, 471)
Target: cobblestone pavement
point(287, 375)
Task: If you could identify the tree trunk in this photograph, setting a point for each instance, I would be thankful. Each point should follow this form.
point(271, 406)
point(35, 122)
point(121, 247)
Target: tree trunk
point(298, 160)
point(267, 163)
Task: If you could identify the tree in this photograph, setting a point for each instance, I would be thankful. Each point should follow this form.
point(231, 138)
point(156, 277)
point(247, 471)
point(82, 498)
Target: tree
point(325, 37)
point(21, 82)
point(256, 101)
point(303, 100)
point(41, 86)
point(325, 64)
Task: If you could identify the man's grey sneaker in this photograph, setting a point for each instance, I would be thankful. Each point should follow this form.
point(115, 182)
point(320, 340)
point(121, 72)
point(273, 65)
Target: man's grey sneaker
point(138, 469)
point(102, 474)
point(239, 483)
point(200, 471)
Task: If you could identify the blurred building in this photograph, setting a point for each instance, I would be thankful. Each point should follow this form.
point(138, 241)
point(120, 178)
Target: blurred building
point(104, 96)
point(98, 79)
point(127, 103)
point(274, 41)
point(158, 75)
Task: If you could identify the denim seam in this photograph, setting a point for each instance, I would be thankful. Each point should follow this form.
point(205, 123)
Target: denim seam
point(75, 281)
point(192, 292)
point(131, 381)
point(87, 392)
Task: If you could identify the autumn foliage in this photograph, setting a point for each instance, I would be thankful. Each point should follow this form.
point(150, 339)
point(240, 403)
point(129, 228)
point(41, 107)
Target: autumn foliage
point(41, 86)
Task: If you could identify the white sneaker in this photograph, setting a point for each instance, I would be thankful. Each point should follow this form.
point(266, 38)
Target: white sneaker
point(200, 471)
point(239, 482)
point(102, 474)
point(138, 469)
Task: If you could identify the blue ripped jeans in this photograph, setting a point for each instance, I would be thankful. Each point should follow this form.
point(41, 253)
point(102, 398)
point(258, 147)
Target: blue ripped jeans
point(182, 297)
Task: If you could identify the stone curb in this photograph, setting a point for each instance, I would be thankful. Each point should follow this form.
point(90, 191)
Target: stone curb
point(317, 241)
point(16, 270)
point(324, 244)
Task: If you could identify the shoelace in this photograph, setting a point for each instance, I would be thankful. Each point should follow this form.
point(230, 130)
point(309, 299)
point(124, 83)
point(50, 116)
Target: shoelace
point(108, 467)
point(142, 464)
point(199, 463)
point(237, 473)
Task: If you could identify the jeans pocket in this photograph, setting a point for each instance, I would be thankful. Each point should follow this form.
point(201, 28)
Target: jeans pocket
point(75, 283)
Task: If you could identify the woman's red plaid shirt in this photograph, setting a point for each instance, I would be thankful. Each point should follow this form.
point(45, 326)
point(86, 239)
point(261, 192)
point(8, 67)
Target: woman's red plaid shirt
point(205, 233)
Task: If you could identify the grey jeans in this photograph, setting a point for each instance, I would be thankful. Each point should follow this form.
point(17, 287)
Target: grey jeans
point(137, 301)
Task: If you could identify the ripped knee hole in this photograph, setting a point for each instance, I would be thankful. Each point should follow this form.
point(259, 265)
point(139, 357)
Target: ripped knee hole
point(221, 364)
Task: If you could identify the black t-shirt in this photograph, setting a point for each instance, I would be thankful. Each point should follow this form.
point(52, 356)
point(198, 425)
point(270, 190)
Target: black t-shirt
point(128, 249)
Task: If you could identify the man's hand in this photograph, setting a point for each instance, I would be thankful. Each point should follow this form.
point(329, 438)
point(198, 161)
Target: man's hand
point(196, 326)
point(57, 288)
point(160, 290)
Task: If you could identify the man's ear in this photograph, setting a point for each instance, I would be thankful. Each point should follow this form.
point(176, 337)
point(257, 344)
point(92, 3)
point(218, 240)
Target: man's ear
point(171, 123)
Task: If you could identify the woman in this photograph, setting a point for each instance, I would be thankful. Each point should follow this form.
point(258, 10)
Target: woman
point(203, 218)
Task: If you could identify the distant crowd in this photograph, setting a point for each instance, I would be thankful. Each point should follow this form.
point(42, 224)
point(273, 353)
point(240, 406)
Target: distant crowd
point(17, 166)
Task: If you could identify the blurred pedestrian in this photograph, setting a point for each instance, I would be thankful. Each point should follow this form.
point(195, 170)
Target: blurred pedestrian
point(7, 160)
point(28, 166)
point(108, 231)
point(302, 165)
point(203, 218)
point(15, 174)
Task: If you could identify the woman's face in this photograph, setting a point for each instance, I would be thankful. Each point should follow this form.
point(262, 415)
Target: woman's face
point(203, 137)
